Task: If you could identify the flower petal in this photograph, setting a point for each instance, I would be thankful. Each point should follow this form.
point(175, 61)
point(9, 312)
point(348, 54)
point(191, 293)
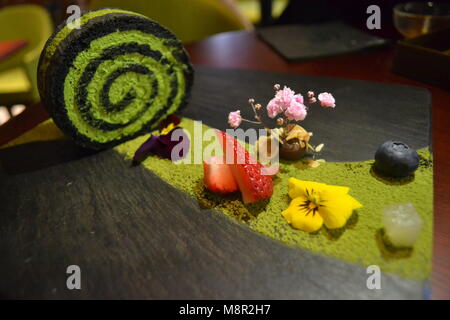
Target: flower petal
point(295, 111)
point(162, 146)
point(356, 203)
point(168, 143)
point(149, 145)
point(234, 119)
point(337, 189)
point(274, 108)
point(327, 100)
point(298, 188)
point(303, 188)
point(302, 218)
point(336, 208)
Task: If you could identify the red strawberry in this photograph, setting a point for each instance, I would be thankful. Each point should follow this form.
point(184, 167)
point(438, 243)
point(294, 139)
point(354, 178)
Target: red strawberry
point(271, 171)
point(218, 176)
point(246, 171)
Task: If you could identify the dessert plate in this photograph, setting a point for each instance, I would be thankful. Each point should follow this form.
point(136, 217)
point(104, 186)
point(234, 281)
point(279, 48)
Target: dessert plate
point(135, 236)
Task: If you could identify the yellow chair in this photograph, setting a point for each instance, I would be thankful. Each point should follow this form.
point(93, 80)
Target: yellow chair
point(252, 9)
point(18, 72)
point(190, 20)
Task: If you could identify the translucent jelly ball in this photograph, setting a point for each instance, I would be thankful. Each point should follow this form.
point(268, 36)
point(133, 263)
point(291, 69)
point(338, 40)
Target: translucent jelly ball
point(402, 224)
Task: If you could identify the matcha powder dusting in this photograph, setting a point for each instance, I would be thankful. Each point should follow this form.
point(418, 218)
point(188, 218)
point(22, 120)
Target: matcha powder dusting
point(361, 241)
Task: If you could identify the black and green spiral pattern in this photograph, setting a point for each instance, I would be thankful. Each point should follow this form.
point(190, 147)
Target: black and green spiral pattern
point(114, 78)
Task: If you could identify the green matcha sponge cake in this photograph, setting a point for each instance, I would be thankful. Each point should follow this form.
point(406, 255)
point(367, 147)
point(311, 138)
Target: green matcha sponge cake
point(114, 78)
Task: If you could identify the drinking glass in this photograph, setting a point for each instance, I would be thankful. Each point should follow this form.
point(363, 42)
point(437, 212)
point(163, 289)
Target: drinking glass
point(413, 19)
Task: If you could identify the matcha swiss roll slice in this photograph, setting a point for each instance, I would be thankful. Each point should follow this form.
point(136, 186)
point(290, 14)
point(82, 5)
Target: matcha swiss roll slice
point(114, 78)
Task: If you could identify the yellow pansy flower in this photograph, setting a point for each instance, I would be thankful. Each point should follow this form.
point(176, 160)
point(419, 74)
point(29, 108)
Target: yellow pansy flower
point(316, 203)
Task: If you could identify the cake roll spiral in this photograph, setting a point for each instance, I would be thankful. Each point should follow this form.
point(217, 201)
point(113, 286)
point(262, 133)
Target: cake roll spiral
point(114, 78)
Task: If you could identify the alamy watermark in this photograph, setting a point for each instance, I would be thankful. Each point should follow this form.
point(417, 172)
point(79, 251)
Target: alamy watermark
point(374, 280)
point(73, 21)
point(374, 20)
point(74, 279)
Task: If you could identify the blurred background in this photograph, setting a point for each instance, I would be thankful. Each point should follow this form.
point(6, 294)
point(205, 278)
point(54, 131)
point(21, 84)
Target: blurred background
point(25, 25)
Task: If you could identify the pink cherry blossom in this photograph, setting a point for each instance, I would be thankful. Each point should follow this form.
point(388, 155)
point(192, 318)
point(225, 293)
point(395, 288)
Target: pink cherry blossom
point(274, 108)
point(296, 111)
point(282, 100)
point(327, 100)
point(299, 98)
point(285, 97)
point(234, 119)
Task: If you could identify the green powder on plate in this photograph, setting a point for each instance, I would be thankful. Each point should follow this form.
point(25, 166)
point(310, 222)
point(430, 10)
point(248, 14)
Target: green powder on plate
point(361, 241)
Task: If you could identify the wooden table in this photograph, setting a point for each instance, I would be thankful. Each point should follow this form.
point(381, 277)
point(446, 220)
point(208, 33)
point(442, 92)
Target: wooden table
point(244, 50)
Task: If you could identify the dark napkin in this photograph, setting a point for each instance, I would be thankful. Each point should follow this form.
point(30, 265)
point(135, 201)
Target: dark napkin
point(303, 42)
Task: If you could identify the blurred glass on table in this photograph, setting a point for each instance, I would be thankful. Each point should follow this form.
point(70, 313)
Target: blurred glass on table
point(413, 19)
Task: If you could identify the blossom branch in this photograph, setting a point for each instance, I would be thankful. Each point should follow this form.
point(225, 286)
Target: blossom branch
point(288, 106)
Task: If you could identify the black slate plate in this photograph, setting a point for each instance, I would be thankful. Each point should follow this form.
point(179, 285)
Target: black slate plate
point(134, 236)
point(366, 113)
point(303, 42)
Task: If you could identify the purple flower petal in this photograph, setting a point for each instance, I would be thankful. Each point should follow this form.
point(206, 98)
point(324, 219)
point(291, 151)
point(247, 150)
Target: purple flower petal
point(149, 145)
point(174, 138)
point(163, 146)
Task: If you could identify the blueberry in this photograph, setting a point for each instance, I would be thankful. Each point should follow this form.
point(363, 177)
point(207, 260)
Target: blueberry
point(396, 159)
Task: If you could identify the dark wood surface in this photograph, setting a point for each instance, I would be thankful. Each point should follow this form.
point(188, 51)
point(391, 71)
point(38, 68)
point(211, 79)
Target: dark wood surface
point(242, 50)
point(64, 205)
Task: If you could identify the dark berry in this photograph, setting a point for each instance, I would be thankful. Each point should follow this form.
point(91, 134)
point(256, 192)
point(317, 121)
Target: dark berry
point(396, 159)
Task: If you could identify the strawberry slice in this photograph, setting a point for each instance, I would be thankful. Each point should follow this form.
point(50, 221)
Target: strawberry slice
point(271, 171)
point(246, 171)
point(217, 176)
